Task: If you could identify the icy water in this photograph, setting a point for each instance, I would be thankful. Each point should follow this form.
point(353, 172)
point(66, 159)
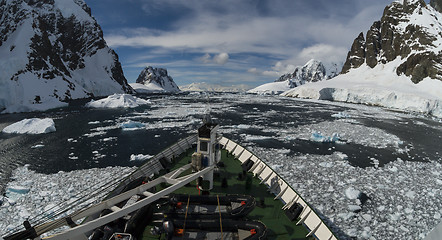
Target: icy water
point(394, 158)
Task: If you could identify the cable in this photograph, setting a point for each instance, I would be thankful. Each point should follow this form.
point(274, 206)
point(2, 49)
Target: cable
point(185, 216)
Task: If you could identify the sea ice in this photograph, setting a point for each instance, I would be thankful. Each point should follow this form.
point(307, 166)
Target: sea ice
point(31, 126)
point(42, 195)
point(118, 101)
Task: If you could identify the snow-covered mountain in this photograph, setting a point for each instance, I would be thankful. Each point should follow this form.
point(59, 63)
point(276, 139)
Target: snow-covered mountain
point(154, 80)
point(312, 71)
point(206, 87)
point(52, 51)
point(397, 65)
point(409, 30)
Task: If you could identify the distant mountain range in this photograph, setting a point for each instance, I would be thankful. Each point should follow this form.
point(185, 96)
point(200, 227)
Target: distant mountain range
point(206, 87)
point(53, 51)
point(312, 71)
point(153, 80)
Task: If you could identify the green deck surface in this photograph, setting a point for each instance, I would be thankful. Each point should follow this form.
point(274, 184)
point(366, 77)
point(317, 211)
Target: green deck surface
point(277, 223)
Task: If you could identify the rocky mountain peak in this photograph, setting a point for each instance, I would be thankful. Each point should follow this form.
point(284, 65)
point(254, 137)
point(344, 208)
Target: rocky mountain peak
point(409, 32)
point(312, 71)
point(157, 76)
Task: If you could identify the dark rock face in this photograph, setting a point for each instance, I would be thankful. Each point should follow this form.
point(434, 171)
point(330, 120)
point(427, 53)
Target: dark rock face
point(398, 35)
point(60, 47)
point(356, 56)
point(158, 76)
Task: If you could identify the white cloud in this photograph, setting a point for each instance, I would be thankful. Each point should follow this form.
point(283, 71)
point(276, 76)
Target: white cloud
point(206, 58)
point(220, 58)
point(324, 53)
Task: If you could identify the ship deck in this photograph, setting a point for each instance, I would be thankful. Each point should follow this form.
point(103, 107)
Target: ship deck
point(270, 213)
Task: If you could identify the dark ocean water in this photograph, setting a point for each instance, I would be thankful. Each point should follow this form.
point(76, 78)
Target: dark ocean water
point(170, 118)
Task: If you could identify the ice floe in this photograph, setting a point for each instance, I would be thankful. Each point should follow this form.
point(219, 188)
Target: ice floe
point(140, 157)
point(118, 101)
point(31, 126)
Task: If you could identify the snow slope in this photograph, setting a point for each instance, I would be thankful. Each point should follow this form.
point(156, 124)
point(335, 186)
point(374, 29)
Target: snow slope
point(379, 86)
point(273, 88)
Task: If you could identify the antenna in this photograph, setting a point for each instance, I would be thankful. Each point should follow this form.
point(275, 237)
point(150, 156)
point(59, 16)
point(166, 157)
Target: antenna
point(207, 112)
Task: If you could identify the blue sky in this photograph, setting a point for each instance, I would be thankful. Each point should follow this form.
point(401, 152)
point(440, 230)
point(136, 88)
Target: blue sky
point(231, 42)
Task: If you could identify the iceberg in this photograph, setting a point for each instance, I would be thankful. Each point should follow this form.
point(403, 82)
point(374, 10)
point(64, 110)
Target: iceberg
point(132, 125)
point(318, 137)
point(31, 126)
point(118, 101)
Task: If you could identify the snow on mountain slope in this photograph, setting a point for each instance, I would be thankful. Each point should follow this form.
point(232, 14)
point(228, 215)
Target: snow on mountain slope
point(53, 51)
point(154, 80)
point(397, 65)
point(312, 71)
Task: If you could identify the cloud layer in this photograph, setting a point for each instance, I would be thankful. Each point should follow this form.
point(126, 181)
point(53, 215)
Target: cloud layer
point(273, 36)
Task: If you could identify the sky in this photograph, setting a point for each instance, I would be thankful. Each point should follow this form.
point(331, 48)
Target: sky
point(231, 42)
